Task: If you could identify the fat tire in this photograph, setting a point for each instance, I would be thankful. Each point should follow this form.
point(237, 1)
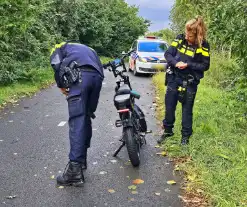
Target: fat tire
point(133, 147)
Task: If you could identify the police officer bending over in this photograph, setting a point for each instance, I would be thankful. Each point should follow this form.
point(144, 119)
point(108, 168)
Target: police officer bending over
point(79, 73)
point(188, 58)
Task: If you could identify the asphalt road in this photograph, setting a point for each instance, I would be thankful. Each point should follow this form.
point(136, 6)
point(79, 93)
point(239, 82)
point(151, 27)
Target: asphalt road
point(34, 148)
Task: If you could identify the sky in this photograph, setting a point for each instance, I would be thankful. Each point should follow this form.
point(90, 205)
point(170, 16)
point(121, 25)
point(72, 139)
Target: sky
point(157, 11)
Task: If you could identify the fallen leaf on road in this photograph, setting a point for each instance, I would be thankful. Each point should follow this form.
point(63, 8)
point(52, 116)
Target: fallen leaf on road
point(132, 199)
point(158, 194)
point(163, 153)
point(10, 121)
point(11, 197)
point(61, 187)
point(167, 190)
point(171, 182)
point(1, 140)
point(53, 177)
point(15, 153)
point(157, 146)
point(111, 191)
point(95, 163)
point(113, 161)
point(111, 142)
point(127, 163)
point(134, 192)
point(177, 168)
point(132, 187)
point(103, 173)
point(127, 176)
point(121, 167)
point(138, 181)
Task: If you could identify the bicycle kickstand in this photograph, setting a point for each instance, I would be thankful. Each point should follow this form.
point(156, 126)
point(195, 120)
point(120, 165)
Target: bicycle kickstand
point(118, 150)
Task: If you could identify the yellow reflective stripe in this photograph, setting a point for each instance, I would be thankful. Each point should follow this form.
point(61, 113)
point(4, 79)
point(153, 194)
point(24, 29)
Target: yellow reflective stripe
point(174, 44)
point(189, 53)
point(204, 53)
point(182, 50)
point(180, 41)
point(199, 50)
point(204, 48)
point(57, 46)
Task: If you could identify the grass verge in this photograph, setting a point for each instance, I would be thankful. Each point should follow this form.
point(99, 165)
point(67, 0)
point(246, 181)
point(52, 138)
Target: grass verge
point(215, 161)
point(12, 92)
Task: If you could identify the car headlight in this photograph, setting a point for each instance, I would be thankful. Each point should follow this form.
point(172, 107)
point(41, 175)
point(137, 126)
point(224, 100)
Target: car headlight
point(142, 59)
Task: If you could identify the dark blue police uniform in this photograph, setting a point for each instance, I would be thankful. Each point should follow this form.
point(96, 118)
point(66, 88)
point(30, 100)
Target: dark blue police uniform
point(182, 84)
point(82, 100)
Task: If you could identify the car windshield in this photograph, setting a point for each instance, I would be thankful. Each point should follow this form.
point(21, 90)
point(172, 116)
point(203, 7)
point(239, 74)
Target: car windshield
point(152, 47)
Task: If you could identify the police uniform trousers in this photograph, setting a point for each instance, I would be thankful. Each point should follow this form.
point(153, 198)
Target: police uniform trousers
point(82, 101)
point(171, 100)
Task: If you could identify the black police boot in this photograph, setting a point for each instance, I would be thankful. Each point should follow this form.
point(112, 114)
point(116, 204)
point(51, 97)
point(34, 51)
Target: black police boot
point(72, 175)
point(167, 133)
point(185, 140)
point(84, 162)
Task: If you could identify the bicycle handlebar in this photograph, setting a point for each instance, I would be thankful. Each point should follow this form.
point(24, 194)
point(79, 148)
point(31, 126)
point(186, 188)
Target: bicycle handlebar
point(117, 63)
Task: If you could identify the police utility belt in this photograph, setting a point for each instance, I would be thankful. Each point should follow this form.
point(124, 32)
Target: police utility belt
point(187, 79)
point(71, 74)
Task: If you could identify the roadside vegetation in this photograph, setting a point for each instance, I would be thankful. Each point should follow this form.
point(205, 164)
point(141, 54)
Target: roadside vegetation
point(29, 29)
point(215, 162)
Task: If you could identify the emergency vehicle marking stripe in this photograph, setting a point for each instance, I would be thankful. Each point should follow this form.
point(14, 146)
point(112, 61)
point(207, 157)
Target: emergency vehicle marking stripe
point(155, 58)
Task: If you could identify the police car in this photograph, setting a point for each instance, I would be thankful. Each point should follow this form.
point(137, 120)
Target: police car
point(148, 55)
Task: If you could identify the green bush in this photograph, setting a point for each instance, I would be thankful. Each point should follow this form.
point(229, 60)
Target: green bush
point(29, 29)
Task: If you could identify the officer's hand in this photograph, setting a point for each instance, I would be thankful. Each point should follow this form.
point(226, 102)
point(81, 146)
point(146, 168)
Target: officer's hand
point(181, 65)
point(178, 64)
point(64, 91)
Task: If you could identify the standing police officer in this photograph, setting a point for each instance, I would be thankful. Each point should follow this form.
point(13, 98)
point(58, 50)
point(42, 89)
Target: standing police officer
point(79, 74)
point(188, 58)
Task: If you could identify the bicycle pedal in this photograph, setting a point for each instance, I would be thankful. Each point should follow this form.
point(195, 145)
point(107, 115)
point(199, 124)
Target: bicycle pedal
point(118, 123)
